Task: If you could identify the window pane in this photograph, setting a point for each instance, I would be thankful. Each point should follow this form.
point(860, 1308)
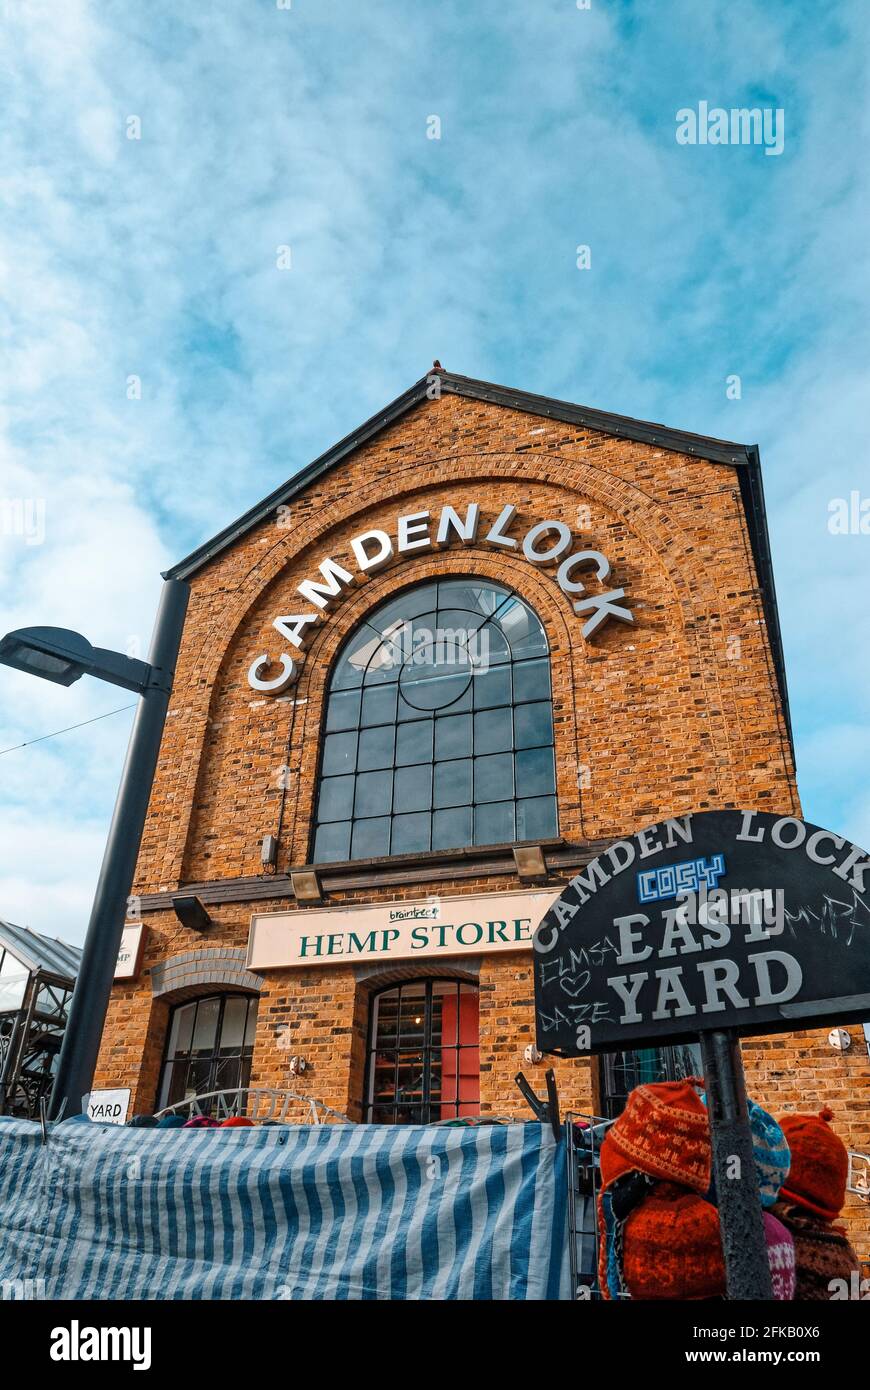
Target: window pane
point(251, 1025)
point(427, 692)
point(181, 1031)
point(494, 824)
point(411, 833)
point(413, 788)
point(339, 753)
point(493, 731)
point(401, 699)
point(522, 629)
point(343, 710)
point(493, 777)
point(376, 747)
point(533, 724)
point(332, 843)
point(336, 798)
point(371, 838)
point(535, 771)
point(476, 597)
point(379, 705)
point(373, 792)
point(205, 1028)
point(532, 680)
point(492, 687)
point(414, 742)
point(233, 1027)
point(491, 646)
point(536, 818)
point(453, 783)
point(453, 736)
point(353, 661)
point(452, 829)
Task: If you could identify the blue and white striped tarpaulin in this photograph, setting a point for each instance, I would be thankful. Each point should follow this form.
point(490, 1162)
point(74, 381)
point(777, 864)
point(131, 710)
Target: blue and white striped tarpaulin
point(296, 1212)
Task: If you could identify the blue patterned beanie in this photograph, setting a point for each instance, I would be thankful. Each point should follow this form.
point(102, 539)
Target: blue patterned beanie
point(770, 1150)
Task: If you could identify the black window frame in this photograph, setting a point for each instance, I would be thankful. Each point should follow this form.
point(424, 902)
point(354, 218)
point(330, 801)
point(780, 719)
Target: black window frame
point(441, 825)
point(427, 1104)
point(244, 1056)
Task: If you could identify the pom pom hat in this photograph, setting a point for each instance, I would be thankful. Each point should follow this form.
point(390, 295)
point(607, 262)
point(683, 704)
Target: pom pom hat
point(819, 1164)
point(672, 1247)
point(664, 1131)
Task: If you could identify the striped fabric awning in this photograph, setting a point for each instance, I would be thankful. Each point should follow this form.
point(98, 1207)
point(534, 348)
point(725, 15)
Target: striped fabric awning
point(290, 1212)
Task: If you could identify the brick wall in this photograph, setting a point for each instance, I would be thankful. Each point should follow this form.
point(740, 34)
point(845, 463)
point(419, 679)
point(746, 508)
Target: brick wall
point(678, 712)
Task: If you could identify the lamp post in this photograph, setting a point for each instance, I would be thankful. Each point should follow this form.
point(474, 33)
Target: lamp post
point(61, 656)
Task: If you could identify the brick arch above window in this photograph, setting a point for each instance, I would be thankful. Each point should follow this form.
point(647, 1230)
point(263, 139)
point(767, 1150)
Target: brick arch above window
point(197, 972)
point(379, 976)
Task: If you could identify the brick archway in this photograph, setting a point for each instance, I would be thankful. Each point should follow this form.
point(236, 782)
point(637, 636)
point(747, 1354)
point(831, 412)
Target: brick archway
point(193, 972)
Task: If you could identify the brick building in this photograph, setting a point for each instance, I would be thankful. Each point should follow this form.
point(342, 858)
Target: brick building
point(393, 669)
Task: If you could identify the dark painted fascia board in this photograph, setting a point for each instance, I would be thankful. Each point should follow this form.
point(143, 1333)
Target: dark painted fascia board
point(644, 431)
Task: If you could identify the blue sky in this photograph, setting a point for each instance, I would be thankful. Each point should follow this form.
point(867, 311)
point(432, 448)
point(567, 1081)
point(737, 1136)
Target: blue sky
point(306, 127)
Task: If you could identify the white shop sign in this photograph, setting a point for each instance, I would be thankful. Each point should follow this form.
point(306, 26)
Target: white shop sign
point(130, 951)
point(109, 1107)
point(431, 927)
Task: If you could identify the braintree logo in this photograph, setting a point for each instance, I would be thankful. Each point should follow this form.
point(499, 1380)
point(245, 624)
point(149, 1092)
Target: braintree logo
point(739, 126)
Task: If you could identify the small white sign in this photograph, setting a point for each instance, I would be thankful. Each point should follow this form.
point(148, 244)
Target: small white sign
point(130, 952)
point(109, 1107)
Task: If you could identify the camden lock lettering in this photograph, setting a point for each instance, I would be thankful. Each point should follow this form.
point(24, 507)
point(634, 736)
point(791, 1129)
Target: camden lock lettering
point(722, 919)
point(549, 544)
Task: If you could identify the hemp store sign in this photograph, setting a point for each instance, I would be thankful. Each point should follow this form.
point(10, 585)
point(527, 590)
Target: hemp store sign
point(720, 920)
point(549, 544)
point(396, 930)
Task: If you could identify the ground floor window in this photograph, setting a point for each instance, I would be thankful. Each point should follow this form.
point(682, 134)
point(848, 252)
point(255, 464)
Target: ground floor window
point(209, 1046)
point(622, 1071)
point(423, 1053)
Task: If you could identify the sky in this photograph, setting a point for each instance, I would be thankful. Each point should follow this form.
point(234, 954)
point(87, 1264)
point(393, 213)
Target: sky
point(161, 371)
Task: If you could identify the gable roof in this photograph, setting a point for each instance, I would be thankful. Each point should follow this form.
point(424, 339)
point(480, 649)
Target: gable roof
point(38, 952)
point(744, 457)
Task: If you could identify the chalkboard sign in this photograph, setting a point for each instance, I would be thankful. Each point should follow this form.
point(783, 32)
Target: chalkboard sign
point(722, 919)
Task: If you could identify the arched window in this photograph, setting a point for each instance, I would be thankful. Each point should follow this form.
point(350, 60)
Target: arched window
point(209, 1046)
point(423, 1054)
point(439, 727)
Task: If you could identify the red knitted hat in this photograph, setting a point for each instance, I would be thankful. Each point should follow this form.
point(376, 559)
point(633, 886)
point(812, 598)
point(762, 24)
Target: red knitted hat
point(819, 1164)
point(672, 1247)
point(234, 1122)
point(664, 1131)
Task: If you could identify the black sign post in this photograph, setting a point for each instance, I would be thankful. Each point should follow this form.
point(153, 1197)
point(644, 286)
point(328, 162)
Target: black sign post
point(710, 926)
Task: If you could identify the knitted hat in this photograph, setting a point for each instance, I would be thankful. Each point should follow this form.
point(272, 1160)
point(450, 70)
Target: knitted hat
point(200, 1122)
point(664, 1131)
point(170, 1122)
point(780, 1257)
point(770, 1151)
point(672, 1247)
point(819, 1164)
point(143, 1122)
point(235, 1122)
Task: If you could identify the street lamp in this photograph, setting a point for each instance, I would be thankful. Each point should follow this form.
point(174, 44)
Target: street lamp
point(58, 655)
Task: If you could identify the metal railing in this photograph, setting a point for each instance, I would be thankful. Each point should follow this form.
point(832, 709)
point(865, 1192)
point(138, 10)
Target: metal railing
point(256, 1103)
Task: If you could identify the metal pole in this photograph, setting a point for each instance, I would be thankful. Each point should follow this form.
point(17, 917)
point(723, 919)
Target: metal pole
point(90, 1001)
point(747, 1270)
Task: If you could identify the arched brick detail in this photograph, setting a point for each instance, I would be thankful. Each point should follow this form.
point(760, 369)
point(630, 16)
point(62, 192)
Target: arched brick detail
point(196, 972)
point(374, 976)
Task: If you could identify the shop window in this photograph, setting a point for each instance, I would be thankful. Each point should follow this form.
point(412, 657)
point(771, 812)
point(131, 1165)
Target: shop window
point(209, 1046)
point(620, 1072)
point(423, 1054)
point(438, 730)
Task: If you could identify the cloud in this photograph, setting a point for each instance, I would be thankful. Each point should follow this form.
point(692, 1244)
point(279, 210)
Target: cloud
point(156, 258)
